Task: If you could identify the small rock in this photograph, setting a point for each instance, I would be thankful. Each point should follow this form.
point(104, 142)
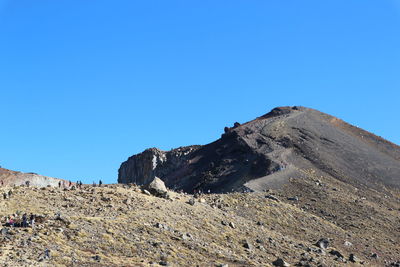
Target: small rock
point(232, 225)
point(295, 198)
point(260, 247)
point(96, 258)
point(162, 226)
point(127, 201)
point(347, 243)
point(337, 254)
point(186, 236)
point(323, 243)
point(280, 262)
point(374, 255)
point(4, 231)
point(259, 241)
point(202, 200)
point(272, 197)
point(246, 244)
point(192, 201)
point(353, 258)
point(146, 192)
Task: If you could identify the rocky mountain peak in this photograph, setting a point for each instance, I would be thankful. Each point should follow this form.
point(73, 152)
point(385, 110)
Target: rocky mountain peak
point(266, 152)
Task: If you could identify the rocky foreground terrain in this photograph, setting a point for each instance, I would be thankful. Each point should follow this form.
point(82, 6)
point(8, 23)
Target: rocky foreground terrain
point(123, 225)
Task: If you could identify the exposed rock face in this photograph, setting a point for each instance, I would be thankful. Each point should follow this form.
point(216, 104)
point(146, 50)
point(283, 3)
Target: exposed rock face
point(8, 177)
point(144, 167)
point(266, 152)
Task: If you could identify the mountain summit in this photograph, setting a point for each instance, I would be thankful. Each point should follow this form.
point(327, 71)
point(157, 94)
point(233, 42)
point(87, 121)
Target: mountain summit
point(268, 151)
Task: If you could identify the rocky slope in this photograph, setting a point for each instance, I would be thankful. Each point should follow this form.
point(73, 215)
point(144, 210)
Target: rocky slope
point(118, 225)
point(8, 177)
point(266, 152)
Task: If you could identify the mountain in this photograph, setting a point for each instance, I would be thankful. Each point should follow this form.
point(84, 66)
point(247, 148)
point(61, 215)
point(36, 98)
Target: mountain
point(8, 177)
point(267, 152)
point(325, 194)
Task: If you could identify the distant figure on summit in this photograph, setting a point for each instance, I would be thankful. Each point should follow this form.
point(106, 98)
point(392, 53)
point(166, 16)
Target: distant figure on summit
point(100, 182)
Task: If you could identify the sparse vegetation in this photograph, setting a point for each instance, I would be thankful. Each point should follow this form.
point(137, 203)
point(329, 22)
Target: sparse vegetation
point(238, 229)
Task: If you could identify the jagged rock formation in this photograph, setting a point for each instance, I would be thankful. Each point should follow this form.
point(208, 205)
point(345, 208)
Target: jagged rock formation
point(142, 168)
point(268, 151)
point(8, 177)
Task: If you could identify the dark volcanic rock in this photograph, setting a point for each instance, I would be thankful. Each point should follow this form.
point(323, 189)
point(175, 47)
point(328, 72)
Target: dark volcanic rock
point(266, 152)
point(142, 168)
point(280, 262)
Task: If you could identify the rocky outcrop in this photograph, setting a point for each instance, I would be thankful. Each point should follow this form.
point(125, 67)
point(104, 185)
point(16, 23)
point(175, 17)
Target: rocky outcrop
point(144, 167)
point(8, 177)
point(268, 151)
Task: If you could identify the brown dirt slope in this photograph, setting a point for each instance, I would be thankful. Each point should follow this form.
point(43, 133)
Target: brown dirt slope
point(118, 225)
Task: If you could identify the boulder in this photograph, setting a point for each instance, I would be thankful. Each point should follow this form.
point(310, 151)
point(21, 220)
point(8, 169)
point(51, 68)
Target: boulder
point(157, 188)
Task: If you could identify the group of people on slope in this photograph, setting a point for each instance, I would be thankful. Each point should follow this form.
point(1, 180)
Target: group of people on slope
point(24, 221)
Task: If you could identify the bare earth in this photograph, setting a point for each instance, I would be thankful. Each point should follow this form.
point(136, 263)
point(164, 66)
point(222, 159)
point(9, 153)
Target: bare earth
point(126, 227)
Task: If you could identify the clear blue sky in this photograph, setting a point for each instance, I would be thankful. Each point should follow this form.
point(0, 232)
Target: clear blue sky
point(85, 84)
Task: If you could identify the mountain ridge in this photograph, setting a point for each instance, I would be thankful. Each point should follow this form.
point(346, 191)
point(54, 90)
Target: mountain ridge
point(16, 178)
point(286, 138)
